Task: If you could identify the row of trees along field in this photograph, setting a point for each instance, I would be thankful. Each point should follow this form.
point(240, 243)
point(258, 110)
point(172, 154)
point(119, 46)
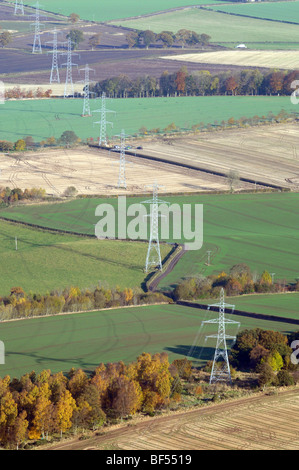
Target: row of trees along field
point(19, 304)
point(184, 37)
point(239, 280)
point(147, 38)
point(199, 83)
point(18, 93)
point(66, 139)
point(10, 196)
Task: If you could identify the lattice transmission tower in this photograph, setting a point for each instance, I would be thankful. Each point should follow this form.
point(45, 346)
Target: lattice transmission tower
point(122, 183)
point(19, 7)
point(86, 105)
point(54, 77)
point(220, 368)
point(69, 85)
point(37, 46)
point(153, 257)
point(103, 122)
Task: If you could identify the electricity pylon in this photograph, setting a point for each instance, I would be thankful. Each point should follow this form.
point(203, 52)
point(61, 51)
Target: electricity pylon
point(86, 106)
point(69, 86)
point(103, 122)
point(37, 47)
point(19, 6)
point(54, 77)
point(153, 257)
point(122, 162)
point(220, 369)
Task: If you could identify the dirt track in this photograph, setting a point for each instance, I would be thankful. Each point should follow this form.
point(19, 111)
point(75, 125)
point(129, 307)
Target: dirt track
point(256, 423)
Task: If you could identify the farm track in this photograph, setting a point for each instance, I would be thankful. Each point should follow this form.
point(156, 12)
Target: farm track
point(153, 285)
point(258, 422)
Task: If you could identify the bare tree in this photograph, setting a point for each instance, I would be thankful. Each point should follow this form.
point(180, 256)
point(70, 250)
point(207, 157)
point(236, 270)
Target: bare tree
point(233, 179)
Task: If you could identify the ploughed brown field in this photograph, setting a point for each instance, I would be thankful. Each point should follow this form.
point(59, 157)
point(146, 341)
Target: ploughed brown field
point(17, 66)
point(96, 172)
point(266, 154)
point(257, 423)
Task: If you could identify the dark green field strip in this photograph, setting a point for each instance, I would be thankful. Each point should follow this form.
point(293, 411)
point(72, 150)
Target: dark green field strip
point(85, 340)
point(285, 305)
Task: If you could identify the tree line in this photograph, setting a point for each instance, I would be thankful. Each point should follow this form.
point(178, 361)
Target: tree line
point(67, 139)
point(239, 280)
point(19, 304)
point(199, 83)
point(10, 196)
point(18, 93)
point(184, 37)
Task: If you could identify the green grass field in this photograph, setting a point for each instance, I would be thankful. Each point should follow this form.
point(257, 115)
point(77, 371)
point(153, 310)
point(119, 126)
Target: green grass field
point(258, 229)
point(85, 340)
point(46, 261)
point(221, 27)
point(279, 11)
point(37, 118)
point(281, 305)
point(112, 9)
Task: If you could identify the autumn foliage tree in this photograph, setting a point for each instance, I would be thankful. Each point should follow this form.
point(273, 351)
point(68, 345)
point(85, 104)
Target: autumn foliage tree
point(231, 85)
point(256, 346)
point(180, 80)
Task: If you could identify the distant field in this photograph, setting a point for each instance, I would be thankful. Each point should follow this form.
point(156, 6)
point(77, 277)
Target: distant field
point(221, 27)
point(279, 11)
point(85, 340)
point(46, 261)
point(281, 305)
point(38, 118)
point(14, 26)
point(267, 46)
point(244, 58)
point(258, 229)
point(113, 9)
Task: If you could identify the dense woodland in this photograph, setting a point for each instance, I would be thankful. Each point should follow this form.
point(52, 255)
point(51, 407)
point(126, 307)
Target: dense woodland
point(39, 405)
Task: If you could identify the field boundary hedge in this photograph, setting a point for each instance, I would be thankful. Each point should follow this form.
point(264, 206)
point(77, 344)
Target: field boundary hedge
point(32, 317)
point(241, 313)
